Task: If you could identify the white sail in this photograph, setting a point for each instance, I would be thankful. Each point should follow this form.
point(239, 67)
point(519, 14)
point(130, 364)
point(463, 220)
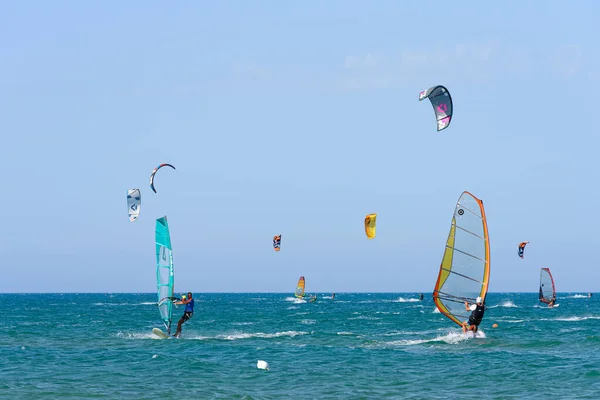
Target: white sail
point(134, 203)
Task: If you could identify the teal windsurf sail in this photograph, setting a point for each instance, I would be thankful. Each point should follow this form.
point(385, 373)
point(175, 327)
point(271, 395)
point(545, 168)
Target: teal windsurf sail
point(164, 271)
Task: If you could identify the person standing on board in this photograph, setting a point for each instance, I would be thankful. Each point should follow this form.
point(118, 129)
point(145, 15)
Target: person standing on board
point(477, 311)
point(552, 301)
point(420, 296)
point(187, 314)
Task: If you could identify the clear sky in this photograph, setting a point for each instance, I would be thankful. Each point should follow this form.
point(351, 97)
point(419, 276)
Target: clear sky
point(295, 118)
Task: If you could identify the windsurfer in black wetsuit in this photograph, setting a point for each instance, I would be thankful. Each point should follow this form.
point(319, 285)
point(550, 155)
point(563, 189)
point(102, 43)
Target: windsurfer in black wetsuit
point(477, 311)
point(420, 296)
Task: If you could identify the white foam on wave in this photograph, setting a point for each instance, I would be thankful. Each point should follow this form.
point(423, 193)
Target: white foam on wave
point(436, 311)
point(136, 335)
point(295, 300)
point(364, 317)
point(261, 335)
point(577, 296)
point(450, 338)
point(404, 300)
point(145, 303)
point(308, 321)
point(507, 304)
point(571, 319)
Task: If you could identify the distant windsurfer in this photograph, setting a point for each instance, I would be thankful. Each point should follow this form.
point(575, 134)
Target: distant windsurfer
point(332, 295)
point(477, 311)
point(187, 314)
point(420, 296)
point(589, 295)
point(313, 298)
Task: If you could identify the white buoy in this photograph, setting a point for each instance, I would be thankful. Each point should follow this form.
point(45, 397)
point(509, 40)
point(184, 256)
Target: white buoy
point(262, 365)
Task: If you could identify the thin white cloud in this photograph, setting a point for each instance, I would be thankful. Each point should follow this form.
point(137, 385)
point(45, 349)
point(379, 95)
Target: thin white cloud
point(475, 61)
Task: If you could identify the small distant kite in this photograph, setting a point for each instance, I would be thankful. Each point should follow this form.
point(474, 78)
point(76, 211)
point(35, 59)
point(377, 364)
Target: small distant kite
point(370, 225)
point(154, 172)
point(442, 105)
point(277, 243)
point(134, 202)
point(522, 248)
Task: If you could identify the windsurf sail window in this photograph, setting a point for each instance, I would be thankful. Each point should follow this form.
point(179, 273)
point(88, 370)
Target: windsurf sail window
point(442, 104)
point(465, 269)
point(300, 288)
point(164, 271)
point(277, 243)
point(134, 202)
point(547, 289)
point(370, 225)
point(522, 249)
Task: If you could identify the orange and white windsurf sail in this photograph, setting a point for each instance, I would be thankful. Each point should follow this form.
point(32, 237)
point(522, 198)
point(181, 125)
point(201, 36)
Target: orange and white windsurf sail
point(370, 225)
point(465, 269)
point(300, 288)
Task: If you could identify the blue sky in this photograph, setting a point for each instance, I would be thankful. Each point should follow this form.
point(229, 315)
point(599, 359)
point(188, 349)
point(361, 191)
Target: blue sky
point(296, 118)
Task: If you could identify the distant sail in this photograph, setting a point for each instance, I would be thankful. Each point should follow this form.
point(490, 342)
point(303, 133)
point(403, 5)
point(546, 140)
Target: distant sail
point(370, 225)
point(134, 202)
point(300, 288)
point(522, 249)
point(441, 101)
point(277, 243)
point(154, 173)
point(465, 269)
point(164, 271)
point(547, 289)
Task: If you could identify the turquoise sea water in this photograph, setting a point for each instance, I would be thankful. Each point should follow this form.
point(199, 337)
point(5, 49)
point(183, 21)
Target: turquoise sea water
point(370, 346)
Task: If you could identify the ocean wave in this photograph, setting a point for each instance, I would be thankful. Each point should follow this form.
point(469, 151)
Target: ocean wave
point(405, 300)
point(449, 338)
point(507, 304)
point(261, 335)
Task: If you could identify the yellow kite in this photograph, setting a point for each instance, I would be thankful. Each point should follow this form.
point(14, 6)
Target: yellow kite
point(370, 225)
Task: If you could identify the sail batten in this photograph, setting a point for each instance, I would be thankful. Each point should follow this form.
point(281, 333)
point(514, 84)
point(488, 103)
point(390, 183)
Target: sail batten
point(164, 271)
point(472, 233)
point(465, 267)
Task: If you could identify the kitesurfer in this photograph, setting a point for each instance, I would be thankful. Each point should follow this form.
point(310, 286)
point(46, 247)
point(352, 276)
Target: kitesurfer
point(187, 314)
point(477, 311)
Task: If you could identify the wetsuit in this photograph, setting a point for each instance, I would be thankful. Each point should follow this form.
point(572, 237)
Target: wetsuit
point(477, 315)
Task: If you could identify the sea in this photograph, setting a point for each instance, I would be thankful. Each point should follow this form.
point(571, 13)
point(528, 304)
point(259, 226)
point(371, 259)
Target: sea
point(355, 346)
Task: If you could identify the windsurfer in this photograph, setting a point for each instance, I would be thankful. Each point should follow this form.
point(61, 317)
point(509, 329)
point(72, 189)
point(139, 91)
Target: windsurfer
point(187, 314)
point(420, 296)
point(552, 301)
point(477, 311)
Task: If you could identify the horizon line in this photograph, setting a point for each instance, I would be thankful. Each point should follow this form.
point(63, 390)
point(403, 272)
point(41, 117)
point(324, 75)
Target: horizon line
point(288, 292)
